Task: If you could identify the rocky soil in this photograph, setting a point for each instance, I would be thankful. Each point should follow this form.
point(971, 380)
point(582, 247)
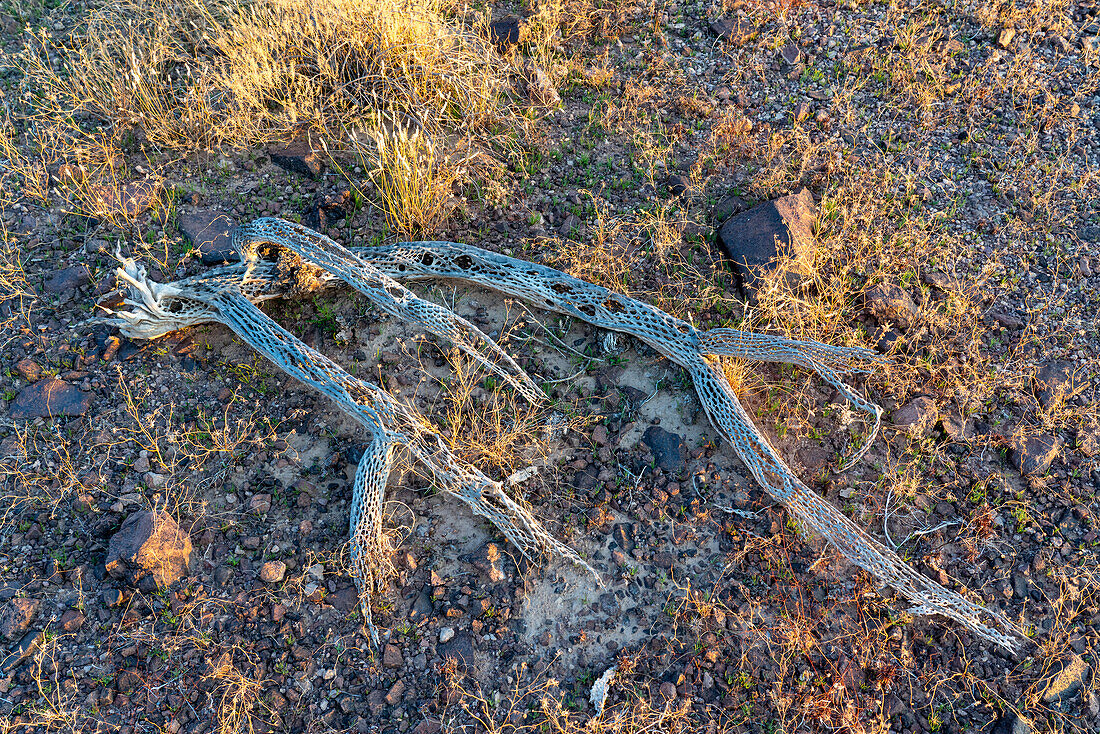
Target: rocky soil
point(176, 512)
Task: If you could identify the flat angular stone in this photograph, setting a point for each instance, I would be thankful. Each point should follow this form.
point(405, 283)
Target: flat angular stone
point(298, 157)
point(1035, 454)
point(28, 644)
point(50, 398)
point(66, 280)
point(28, 369)
point(211, 233)
point(1073, 673)
point(391, 656)
point(149, 551)
point(1005, 37)
point(461, 648)
point(1055, 382)
point(776, 236)
point(956, 426)
point(397, 692)
point(506, 32)
point(734, 31)
point(917, 416)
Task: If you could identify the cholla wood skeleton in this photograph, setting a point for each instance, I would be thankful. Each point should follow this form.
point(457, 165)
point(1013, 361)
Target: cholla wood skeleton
point(280, 258)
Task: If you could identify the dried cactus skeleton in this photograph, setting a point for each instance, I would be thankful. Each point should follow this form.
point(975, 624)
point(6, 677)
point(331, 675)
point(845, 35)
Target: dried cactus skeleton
point(280, 258)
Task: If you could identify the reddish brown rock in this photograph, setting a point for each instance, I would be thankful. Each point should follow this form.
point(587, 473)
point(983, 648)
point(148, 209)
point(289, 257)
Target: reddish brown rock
point(273, 572)
point(1057, 381)
point(72, 620)
point(1035, 454)
point(397, 692)
point(391, 657)
point(917, 416)
point(150, 551)
point(29, 370)
point(16, 616)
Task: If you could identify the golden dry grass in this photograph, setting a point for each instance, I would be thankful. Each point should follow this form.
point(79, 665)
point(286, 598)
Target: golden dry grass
point(381, 82)
point(192, 75)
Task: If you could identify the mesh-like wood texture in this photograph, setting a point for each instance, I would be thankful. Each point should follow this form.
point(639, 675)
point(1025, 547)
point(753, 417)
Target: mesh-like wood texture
point(228, 294)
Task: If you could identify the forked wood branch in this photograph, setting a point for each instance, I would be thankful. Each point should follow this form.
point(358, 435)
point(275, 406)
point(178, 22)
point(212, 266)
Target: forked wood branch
point(280, 258)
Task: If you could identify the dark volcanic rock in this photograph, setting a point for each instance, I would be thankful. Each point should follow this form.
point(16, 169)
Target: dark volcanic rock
point(27, 645)
point(956, 426)
point(678, 184)
point(1072, 674)
point(461, 648)
point(149, 551)
point(506, 32)
point(67, 280)
point(667, 447)
point(790, 53)
point(1035, 454)
point(391, 656)
point(1010, 723)
point(345, 599)
point(773, 237)
point(487, 560)
point(50, 398)
point(299, 157)
point(734, 31)
point(210, 232)
point(890, 303)
point(327, 211)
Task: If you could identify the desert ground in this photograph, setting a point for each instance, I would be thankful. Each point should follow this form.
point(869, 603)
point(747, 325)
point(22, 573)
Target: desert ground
point(174, 523)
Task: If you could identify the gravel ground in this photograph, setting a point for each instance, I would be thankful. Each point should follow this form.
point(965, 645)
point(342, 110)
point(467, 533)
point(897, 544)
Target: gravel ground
point(951, 155)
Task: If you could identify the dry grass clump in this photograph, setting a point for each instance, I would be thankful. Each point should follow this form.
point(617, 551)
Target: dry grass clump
point(239, 708)
point(414, 187)
point(416, 93)
point(554, 21)
point(189, 73)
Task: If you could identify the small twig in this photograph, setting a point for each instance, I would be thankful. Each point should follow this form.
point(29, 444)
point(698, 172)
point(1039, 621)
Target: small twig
point(886, 520)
